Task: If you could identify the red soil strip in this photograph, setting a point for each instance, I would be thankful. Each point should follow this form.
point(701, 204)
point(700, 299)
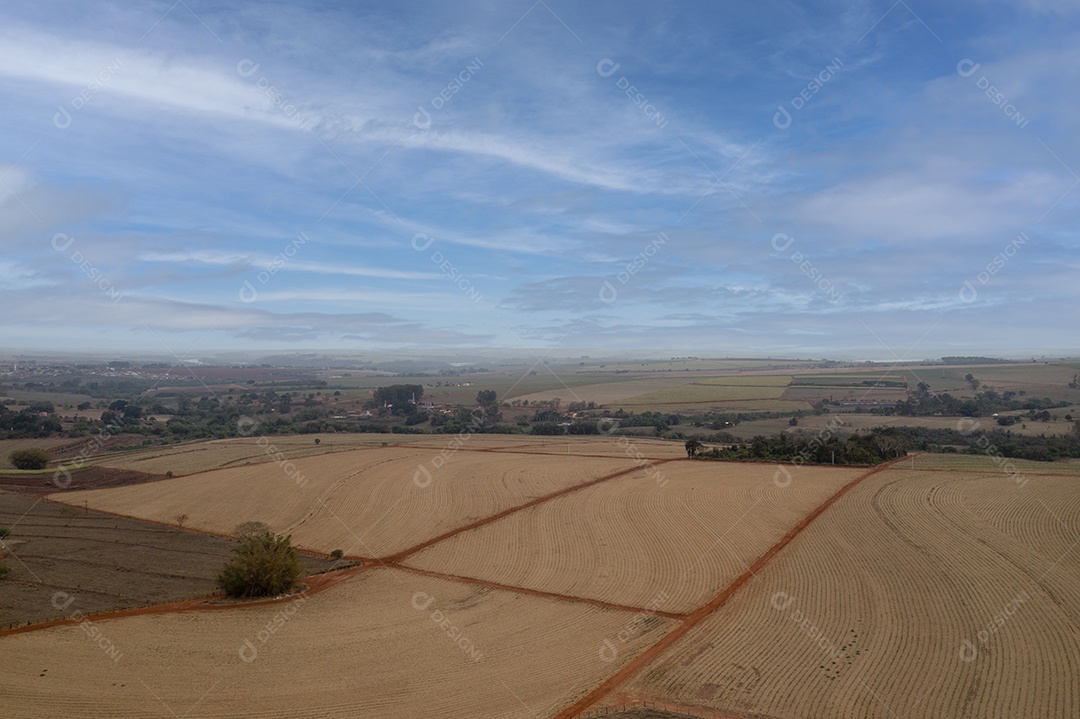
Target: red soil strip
point(315, 584)
point(537, 592)
point(394, 558)
point(703, 612)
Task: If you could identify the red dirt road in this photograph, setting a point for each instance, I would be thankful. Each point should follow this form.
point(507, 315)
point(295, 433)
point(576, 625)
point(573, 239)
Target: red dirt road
point(696, 617)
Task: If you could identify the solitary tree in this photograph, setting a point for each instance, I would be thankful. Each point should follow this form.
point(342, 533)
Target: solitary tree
point(33, 458)
point(693, 446)
point(263, 565)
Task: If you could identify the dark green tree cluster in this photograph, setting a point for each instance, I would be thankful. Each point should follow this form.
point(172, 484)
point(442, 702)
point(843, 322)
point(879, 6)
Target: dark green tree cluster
point(396, 394)
point(263, 565)
point(923, 403)
point(869, 449)
point(33, 458)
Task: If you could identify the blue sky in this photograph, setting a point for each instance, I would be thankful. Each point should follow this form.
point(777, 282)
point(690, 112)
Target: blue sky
point(822, 179)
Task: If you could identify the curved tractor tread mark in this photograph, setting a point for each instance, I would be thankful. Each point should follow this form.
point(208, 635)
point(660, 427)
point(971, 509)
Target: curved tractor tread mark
point(706, 610)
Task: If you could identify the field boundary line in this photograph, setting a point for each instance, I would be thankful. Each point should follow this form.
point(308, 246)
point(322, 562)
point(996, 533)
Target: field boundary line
point(398, 556)
point(535, 592)
point(695, 618)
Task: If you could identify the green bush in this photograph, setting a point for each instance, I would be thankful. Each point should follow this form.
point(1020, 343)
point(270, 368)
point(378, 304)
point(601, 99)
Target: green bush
point(4, 571)
point(33, 458)
point(337, 554)
point(264, 565)
point(4, 532)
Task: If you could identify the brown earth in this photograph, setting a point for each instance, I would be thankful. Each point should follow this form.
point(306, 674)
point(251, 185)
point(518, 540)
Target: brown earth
point(51, 482)
point(100, 562)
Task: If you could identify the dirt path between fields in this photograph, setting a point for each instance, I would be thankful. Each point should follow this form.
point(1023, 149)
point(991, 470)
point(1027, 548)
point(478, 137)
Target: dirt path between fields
point(695, 618)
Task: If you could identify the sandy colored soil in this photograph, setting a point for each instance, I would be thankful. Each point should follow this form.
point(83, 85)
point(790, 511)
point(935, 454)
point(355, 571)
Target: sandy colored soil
point(610, 446)
point(987, 463)
point(369, 503)
point(669, 539)
point(363, 649)
point(876, 609)
point(100, 562)
point(515, 582)
point(203, 456)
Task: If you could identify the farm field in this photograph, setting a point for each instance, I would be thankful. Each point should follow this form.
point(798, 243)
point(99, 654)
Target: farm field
point(373, 646)
point(370, 502)
point(680, 532)
point(54, 548)
point(193, 457)
point(515, 580)
point(921, 594)
point(985, 463)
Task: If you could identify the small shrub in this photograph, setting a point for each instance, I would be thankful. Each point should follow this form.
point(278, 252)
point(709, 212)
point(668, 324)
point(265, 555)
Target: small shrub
point(169, 474)
point(264, 565)
point(4, 532)
point(33, 458)
point(337, 554)
point(4, 571)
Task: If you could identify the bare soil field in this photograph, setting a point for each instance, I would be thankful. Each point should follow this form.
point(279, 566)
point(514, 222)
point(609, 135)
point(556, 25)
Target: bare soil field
point(669, 539)
point(385, 643)
point(40, 483)
point(611, 446)
point(369, 503)
point(100, 562)
point(988, 463)
point(193, 457)
point(920, 594)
